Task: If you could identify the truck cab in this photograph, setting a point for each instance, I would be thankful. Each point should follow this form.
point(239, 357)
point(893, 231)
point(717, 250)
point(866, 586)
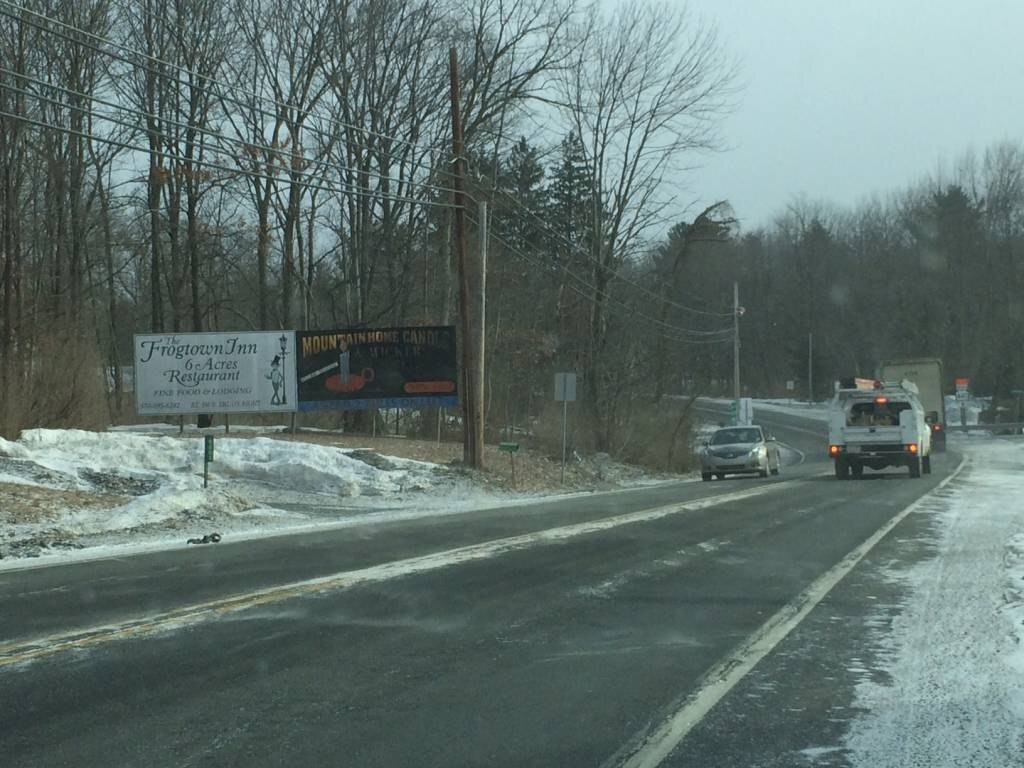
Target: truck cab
point(877, 425)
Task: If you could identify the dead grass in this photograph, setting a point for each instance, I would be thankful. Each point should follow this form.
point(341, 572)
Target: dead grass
point(20, 504)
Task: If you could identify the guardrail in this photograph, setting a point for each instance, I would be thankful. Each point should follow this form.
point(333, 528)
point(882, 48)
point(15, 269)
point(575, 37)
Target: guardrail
point(1015, 427)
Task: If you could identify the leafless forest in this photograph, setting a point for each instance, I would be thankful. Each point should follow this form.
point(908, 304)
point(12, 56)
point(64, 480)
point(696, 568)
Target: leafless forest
point(180, 165)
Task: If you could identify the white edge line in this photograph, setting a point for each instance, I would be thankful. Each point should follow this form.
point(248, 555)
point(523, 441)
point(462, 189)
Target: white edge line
point(724, 676)
point(25, 649)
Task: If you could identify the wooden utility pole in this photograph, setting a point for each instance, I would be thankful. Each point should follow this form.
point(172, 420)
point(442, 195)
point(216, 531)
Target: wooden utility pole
point(472, 448)
point(479, 416)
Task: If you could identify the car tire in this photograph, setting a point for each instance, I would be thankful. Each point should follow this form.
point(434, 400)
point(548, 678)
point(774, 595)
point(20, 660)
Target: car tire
point(926, 464)
point(705, 476)
point(763, 472)
point(842, 469)
point(777, 470)
point(915, 467)
point(857, 470)
point(719, 476)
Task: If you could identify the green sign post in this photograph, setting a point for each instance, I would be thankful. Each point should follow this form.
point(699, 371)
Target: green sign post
point(207, 458)
point(511, 449)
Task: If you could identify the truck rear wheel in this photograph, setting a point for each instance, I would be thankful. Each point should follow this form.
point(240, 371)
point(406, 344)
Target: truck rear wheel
point(915, 466)
point(926, 464)
point(858, 471)
point(842, 469)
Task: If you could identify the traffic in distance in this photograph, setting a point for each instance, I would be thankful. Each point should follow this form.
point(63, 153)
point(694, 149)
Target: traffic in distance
point(896, 420)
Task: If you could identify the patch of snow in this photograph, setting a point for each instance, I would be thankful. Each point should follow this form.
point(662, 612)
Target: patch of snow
point(1015, 613)
point(813, 411)
point(953, 664)
point(12, 450)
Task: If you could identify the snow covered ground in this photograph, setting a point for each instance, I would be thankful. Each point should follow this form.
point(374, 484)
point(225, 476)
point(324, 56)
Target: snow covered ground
point(68, 489)
point(72, 494)
point(815, 411)
point(953, 690)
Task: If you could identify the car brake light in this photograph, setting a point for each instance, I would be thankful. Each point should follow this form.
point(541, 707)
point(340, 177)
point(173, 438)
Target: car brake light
point(936, 427)
point(912, 448)
point(833, 450)
point(881, 400)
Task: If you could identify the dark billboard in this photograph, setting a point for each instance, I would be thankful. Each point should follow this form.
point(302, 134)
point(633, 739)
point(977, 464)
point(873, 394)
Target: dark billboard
point(357, 369)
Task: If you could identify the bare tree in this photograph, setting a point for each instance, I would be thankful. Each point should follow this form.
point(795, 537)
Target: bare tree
point(648, 85)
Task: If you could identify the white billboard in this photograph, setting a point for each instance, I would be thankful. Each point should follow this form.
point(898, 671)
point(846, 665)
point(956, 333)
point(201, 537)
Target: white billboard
point(245, 372)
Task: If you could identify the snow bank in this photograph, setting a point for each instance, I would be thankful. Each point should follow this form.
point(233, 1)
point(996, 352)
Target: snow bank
point(814, 411)
point(12, 450)
point(178, 462)
point(1015, 613)
point(153, 484)
point(953, 664)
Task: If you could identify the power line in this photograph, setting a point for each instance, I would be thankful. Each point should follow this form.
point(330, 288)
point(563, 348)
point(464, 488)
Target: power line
point(187, 126)
point(686, 335)
point(216, 166)
point(212, 81)
point(576, 249)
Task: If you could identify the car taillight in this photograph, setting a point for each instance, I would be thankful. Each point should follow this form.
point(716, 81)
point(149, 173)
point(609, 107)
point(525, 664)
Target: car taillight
point(912, 448)
point(936, 427)
point(833, 450)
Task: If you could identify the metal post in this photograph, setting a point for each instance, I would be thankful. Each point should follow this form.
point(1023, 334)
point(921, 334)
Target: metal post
point(736, 343)
point(810, 368)
point(565, 416)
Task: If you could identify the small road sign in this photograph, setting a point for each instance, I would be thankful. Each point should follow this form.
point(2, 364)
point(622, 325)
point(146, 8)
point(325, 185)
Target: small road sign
point(565, 387)
point(565, 393)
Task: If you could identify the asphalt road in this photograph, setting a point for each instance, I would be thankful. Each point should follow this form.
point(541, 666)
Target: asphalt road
point(561, 634)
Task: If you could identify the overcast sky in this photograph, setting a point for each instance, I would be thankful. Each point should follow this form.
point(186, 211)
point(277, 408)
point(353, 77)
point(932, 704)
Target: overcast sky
point(845, 98)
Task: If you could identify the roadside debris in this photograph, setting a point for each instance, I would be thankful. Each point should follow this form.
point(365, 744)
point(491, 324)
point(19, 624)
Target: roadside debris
point(210, 538)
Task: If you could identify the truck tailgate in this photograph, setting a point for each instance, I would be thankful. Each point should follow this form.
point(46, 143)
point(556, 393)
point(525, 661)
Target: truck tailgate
point(872, 439)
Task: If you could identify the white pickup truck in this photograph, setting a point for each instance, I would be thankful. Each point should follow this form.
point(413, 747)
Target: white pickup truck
point(878, 424)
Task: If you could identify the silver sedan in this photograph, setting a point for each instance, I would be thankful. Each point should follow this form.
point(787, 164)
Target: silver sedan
point(739, 451)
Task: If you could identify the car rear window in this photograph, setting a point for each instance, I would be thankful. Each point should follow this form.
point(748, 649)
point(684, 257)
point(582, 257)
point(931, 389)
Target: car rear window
point(738, 435)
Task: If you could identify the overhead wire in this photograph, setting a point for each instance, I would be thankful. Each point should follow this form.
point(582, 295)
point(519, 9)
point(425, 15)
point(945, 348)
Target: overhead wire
point(352, 190)
point(187, 126)
point(580, 251)
point(435, 168)
point(589, 290)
